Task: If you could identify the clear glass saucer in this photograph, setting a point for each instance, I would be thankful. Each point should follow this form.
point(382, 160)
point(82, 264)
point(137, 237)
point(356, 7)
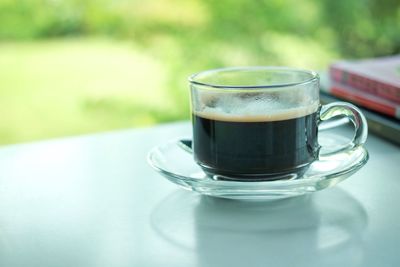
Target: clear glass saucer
point(178, 166)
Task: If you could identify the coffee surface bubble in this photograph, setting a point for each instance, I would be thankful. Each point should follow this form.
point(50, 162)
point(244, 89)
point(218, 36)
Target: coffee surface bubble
point(254, 107)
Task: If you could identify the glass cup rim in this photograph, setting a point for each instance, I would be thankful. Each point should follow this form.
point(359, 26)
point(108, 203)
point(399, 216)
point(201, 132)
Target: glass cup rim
point(313, 76)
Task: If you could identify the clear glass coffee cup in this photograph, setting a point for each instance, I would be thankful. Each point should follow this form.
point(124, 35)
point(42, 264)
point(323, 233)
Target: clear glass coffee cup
point(261, 123)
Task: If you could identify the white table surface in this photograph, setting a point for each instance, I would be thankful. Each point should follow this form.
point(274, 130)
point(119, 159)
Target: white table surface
point(94, 201)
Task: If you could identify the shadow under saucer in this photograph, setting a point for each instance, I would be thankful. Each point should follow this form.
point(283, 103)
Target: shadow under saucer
point(323, 229)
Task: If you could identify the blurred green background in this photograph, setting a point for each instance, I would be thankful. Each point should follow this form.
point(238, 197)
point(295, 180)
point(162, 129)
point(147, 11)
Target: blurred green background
point(70, 67)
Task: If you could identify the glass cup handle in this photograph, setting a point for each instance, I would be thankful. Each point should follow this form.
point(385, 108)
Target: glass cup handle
point(354, 115)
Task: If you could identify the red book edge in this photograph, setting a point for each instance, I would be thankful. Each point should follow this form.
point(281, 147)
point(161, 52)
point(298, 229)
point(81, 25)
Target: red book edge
point(367, 100)
point(380, 69)
point(365, 84)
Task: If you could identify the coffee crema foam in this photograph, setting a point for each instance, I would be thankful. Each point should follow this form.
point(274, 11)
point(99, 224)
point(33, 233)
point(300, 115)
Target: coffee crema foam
point(261, 115)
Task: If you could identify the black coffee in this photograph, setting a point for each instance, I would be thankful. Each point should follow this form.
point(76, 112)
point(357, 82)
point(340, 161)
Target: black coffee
point(255, 148)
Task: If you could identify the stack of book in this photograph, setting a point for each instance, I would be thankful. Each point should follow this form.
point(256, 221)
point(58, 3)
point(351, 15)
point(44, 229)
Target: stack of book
point(371, 84)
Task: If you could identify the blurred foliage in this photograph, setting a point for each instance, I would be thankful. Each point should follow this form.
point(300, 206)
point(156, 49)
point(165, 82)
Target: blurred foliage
point(171, 39)
point(358, 28)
